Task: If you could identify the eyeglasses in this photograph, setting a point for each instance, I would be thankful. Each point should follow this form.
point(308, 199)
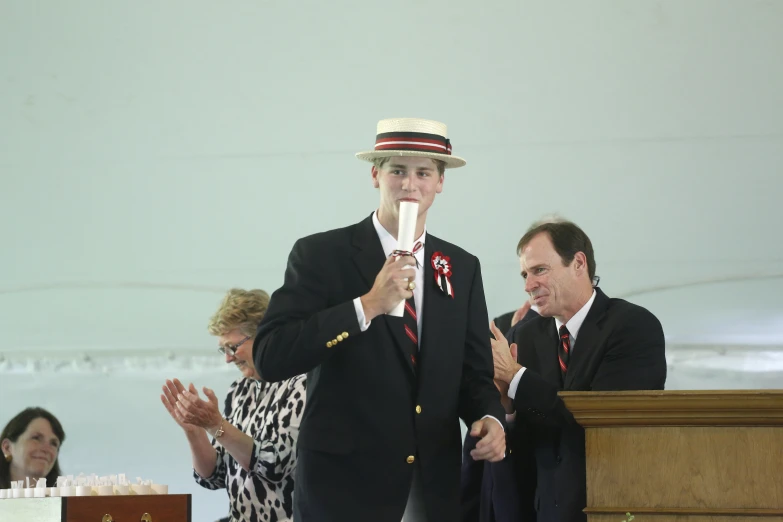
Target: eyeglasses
point(231, 349)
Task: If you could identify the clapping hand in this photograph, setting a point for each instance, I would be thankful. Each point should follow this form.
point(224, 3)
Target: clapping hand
point(188, 409)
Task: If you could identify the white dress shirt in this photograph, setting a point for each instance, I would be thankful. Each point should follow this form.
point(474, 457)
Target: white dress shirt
point(573, 325)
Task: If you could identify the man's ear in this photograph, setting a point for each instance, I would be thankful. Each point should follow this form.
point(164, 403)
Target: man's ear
point(580, 262)
point(374, 172)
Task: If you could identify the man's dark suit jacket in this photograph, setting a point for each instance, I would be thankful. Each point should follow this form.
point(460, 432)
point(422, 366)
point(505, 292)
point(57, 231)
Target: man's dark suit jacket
point(370, 412)
point(620, 346)
point(490, 490)
point(503, 322)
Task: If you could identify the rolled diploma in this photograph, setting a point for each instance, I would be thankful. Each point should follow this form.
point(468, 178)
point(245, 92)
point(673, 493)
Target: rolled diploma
point(408, 213)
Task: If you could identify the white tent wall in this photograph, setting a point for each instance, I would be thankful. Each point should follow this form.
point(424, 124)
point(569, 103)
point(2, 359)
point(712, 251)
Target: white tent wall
point(154, 154)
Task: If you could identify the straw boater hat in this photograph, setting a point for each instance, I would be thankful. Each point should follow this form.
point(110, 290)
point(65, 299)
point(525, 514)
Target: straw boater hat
point(412, 137)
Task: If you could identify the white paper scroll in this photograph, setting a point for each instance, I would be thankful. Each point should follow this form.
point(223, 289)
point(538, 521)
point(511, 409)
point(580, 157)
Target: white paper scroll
point(409, 211)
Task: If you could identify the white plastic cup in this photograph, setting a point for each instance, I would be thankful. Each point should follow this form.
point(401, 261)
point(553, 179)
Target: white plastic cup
point(122, 490)
point(160, 489)
point(83, 491)
point(29, 492)
point(104, 491)
point(140, 489)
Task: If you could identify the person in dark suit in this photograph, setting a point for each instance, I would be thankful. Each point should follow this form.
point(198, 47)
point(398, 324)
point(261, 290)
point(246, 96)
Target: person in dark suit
point(510, 321)
point(505, 322)
point(380, 436)
point(489, 491)
point(583, 341)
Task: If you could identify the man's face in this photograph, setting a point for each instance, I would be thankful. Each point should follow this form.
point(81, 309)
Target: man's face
point(406, 178)
point(552, 287)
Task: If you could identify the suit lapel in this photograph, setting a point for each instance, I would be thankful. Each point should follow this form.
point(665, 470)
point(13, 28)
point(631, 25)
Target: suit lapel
point(432, 311)
point(586, 339)
point(369, 260)
point(439, 309)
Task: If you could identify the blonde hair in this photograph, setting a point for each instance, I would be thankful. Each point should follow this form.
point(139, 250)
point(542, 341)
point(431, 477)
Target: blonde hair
point(240, 309)
point(380, 162)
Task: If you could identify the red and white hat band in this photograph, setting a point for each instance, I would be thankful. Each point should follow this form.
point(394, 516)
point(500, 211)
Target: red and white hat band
point(413, 141)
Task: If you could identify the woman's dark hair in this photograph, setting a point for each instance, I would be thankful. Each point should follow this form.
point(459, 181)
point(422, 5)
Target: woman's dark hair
point(15, 428)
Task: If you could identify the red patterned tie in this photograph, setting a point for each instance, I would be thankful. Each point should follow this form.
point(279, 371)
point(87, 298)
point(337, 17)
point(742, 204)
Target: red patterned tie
point(564, 350)
point(409, 320)
point(411, 328)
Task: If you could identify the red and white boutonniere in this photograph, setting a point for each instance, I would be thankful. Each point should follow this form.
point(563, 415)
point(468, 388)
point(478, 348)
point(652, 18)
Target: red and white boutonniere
point(442, 266)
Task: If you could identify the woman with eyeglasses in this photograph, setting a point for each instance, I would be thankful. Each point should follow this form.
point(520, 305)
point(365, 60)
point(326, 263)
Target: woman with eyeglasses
point(252, 452)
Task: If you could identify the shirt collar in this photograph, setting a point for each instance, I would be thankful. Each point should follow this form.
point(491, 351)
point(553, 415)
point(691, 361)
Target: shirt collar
point(575, 323)
point(388, 242)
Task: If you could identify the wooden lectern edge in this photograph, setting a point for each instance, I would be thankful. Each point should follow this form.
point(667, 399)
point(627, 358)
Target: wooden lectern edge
point(676, 408)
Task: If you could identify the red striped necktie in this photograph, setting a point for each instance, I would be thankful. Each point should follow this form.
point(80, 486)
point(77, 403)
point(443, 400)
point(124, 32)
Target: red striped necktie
point(410, 321)
point(564, 350)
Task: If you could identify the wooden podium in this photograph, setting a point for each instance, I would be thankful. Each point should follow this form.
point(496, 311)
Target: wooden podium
point(695, 456)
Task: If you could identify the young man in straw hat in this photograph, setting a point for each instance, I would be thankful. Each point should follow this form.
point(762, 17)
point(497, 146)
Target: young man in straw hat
point(380, 437)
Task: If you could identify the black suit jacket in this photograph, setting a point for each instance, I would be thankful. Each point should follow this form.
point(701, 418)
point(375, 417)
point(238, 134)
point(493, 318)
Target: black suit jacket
point(361, 424)
point(503, 322)
point(620, 346)
point(529, 316)
point(498, 491)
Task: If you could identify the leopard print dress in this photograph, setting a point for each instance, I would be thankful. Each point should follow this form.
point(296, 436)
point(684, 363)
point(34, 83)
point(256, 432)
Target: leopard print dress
point(270, 413)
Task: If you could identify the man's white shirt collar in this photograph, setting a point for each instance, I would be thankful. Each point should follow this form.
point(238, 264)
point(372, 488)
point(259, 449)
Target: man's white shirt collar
point(575, 323)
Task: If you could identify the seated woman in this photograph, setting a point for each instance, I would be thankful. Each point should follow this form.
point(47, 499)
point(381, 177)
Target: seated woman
point(31, 446)
point(253, 450)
